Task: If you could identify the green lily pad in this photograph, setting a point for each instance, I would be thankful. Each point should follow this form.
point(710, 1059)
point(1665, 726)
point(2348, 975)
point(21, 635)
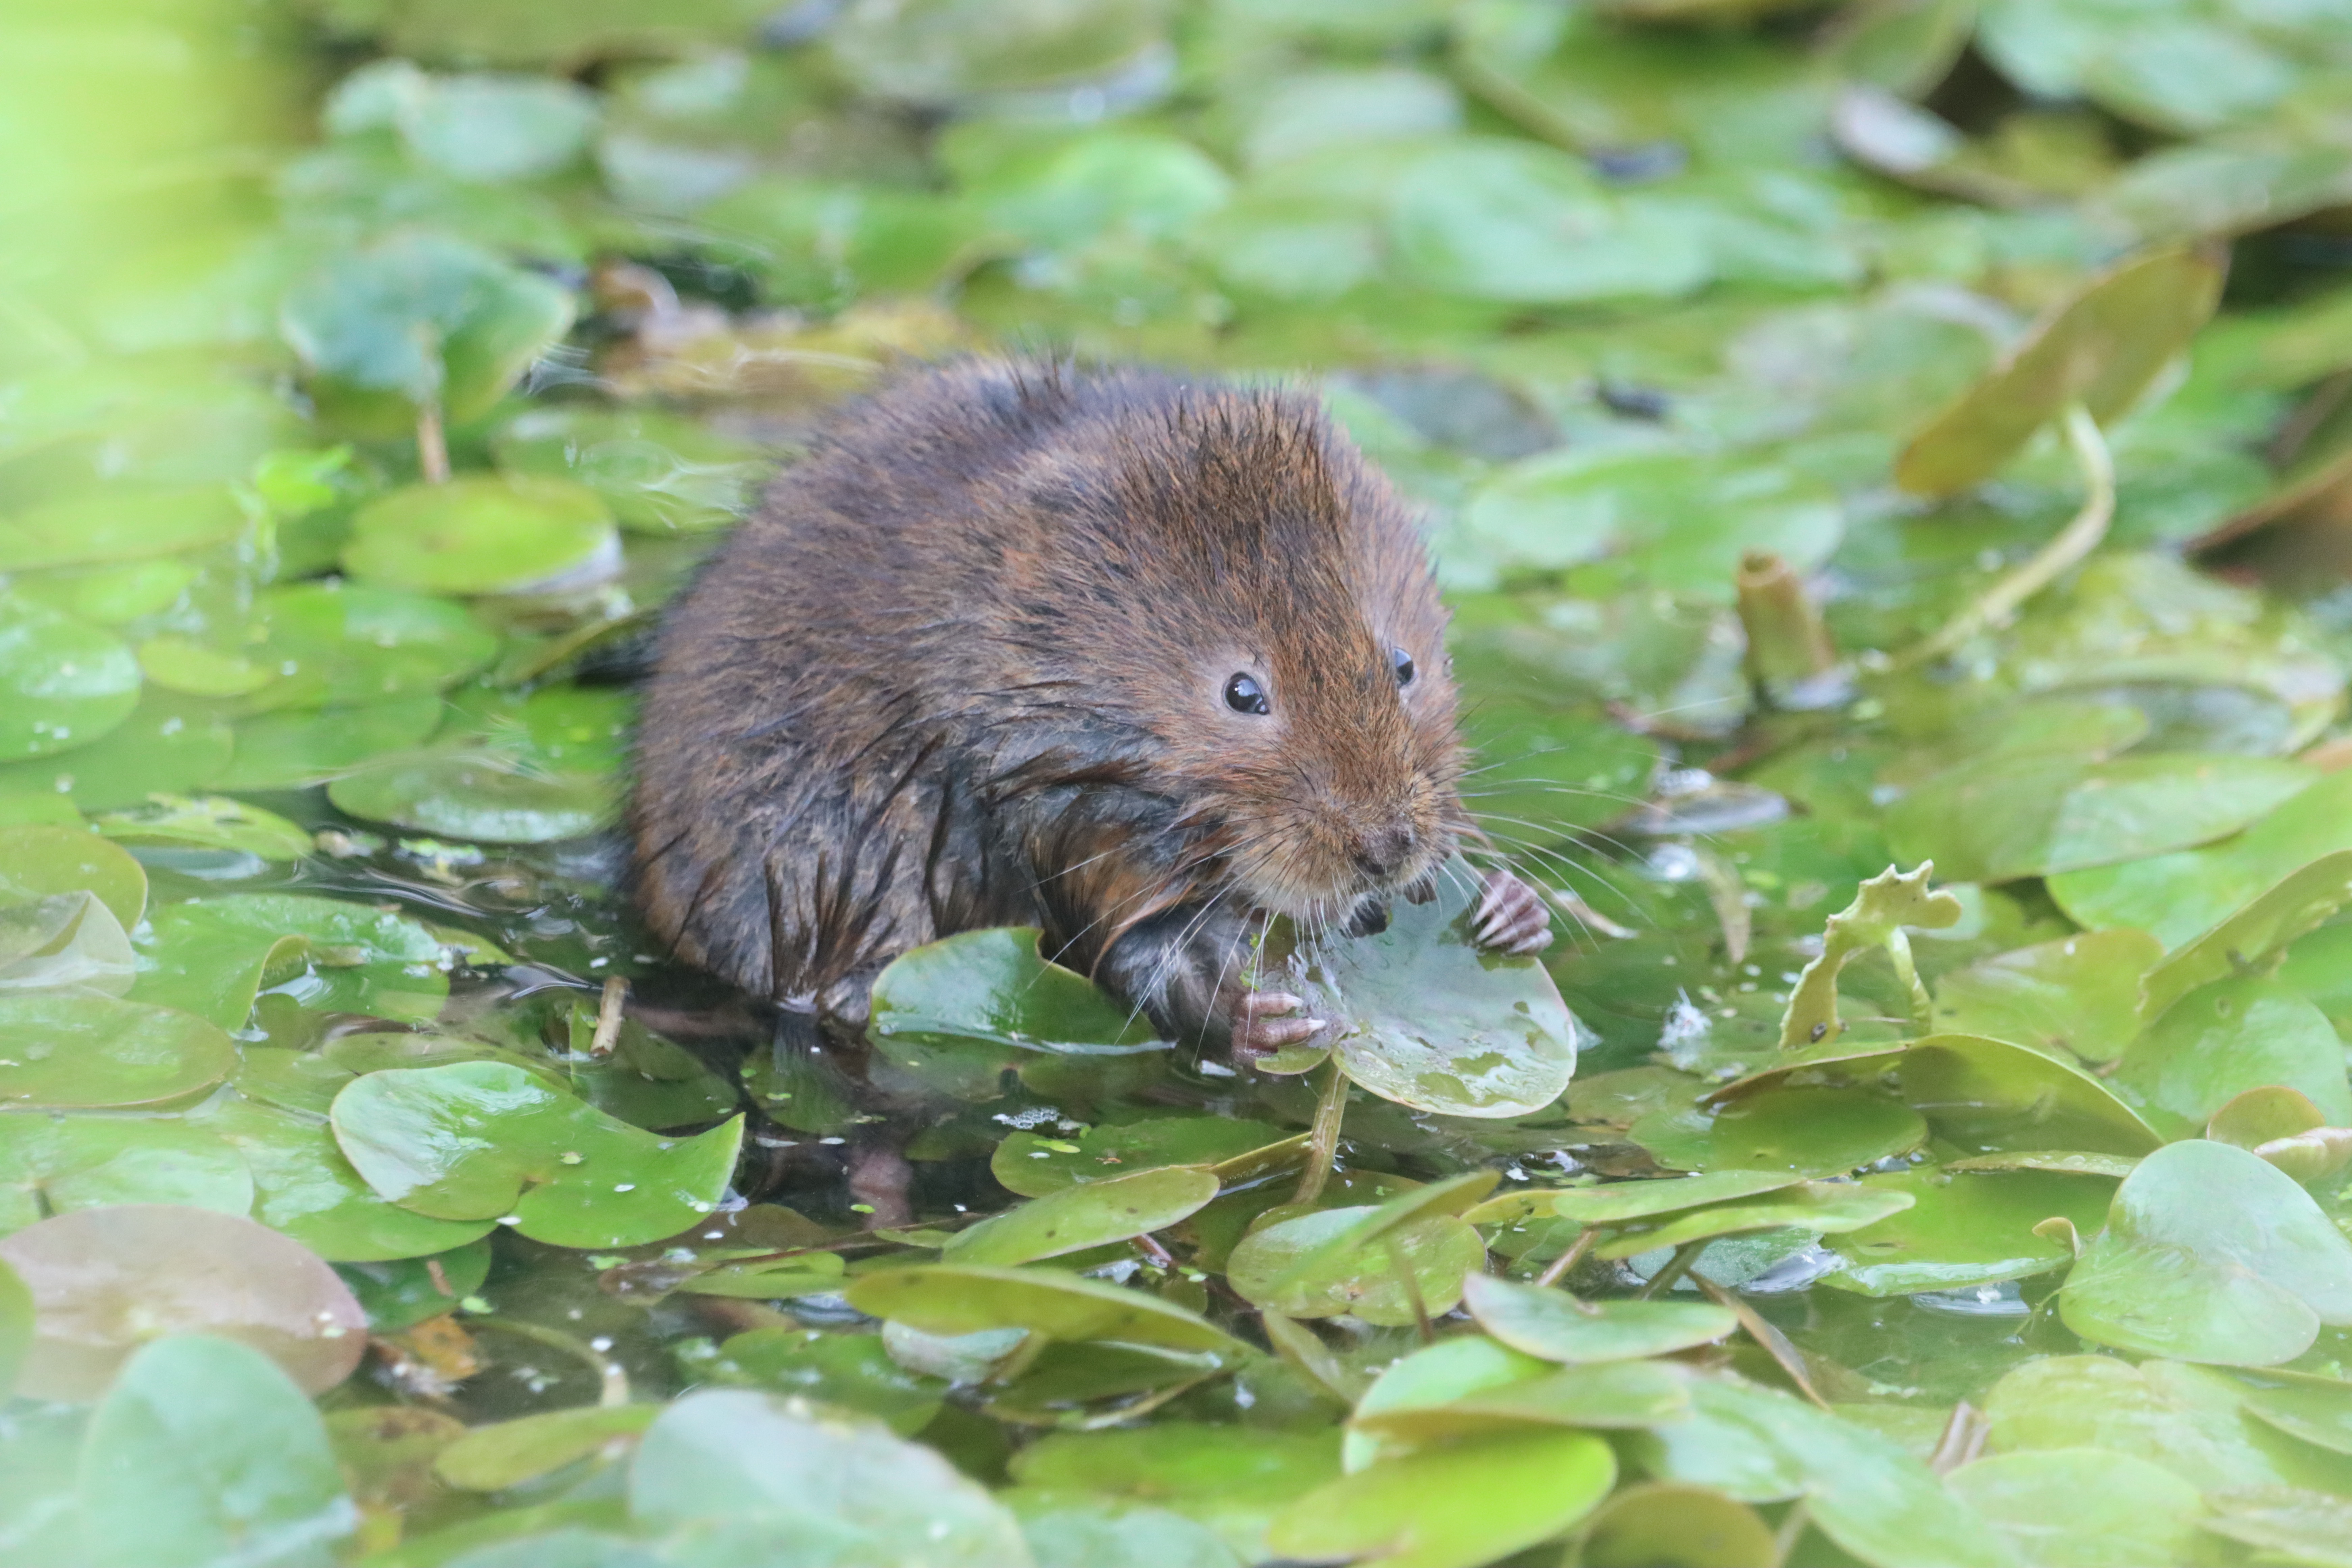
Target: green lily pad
point(202, 1448)
point(1804, 1131)
point(1093, 1534)
point(2210, 1255)
point(304, 1187)
point(730, 1455)
point(2101, 348)
point(1558, 1327)
point(991, 987)
point(187, 665)
point(851, 1372)
point(63, 682)
point(208, 822)
point(107, 1280)
point(40, 859)
point(121, 525)
point(474, 1140)
point(1293, 1267)
point(2222, 1040)
point(1426, 1019)
point(168, 743)
point(67, 940)
point(400, 1293)
point(2255, 938)
point(658, 474)
point(1619, 1202)
point(1077, 1218)
point(419, 320)
point(2084, 1506)
point(1986, 1095)
point(478, 794)
point(1964, 1230)
point(1034, 1164)
point(210, 956)
point(1455, 1506)
point(82, 1050)
point(2318, 1410)
point(478, 128)
point(949, 1299)
point(289, 750)
point(1608, 1395)
point(484, 536)
point(337, 643)
point(1431, 1378)
point(2302, 1527)
point(54, 1165)
point(2001, 817)
point(1825, 1208)
point(2079, 994)
point(2177, 896)
point(1684, 1527)
point(509, 1453)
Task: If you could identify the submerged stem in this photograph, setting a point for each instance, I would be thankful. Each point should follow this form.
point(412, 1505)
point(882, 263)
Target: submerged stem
point(2077, 539)
point(1323, 1143)
point(432, 445)
point(1569, 1259)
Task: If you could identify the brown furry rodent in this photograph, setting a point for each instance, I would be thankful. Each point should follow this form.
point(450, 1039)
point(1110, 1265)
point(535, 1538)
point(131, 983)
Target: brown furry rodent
point(1131, 656)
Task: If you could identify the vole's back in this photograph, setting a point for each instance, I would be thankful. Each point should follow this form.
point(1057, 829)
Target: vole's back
point(947, 677)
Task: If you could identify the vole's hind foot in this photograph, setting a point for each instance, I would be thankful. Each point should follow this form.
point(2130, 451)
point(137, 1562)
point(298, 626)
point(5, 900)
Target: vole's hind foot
point(1511, 917)
point(1264, 1022)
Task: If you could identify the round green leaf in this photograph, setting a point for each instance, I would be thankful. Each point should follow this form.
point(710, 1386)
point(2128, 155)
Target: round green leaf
point(39, 860)
point(1557, 1326)
point(1658, 1526)
point(2318, 1410)
point(304, 1187)
point(483, 1140)
point(1292, 1266)
point(2222, 1040)
point(1105, 1535)
point(1985, 1094)
point(2083, 1507)
point(2297, 1525)
point(949, 1299)
point(1825, 1208)
point(1618, 1203)
point(82, 1051)
point(1963, 1230)
point(209, 956)
point(1619, 1393)
point(400, 1293)
point(63, 682)
point(992, 987)
point(208, 822)
point(289, 750)
point(477, 793)
point(1468, 1502)
point(107, 1280)
point(205, 1453)
point(1809, 1132)
point(659, 474)
point(1432, 1377)
point(483, 536)
point(2078, 994)
point(54, 1166)
point(1034, 1164)
point(509, 1453)
point(731, 1453)
point(2101, 348)
point(851, 1371)
point(121, 525)
point(350, 643)
point(168, 743)
point(2210, 1253)
point(1077, 1218)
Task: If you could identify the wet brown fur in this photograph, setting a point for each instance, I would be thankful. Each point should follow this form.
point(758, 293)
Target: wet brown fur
point(966, 667)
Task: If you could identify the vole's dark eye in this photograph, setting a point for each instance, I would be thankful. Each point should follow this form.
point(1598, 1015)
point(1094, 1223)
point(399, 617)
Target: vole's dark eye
point(1402, 662)
point(1244, 695)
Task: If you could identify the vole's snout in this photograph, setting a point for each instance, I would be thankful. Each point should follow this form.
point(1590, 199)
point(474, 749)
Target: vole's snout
point(1382, 851)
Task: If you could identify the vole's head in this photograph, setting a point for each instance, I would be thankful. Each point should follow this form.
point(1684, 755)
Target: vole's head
point(1270, 618)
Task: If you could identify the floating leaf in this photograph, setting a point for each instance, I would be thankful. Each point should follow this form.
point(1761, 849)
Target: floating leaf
point(2078, 995)
point(1432, 1377)
point(121, 525)
point(205, 1452)
point(1803, 1132)
point(419, 320)
point(481, 1140)
point(107, 1280)
point(1079, 1218)
point(63, 682)
point(1467, 1503)
point(2220, 1040)
point(1610, 1394)
point(1966, 1231)
point(509, 1453)
point(351, 643)
point(851, 1372)
point(477, 793)
point(67, 940)
point(992, 987)
point(1985, 1094)
point(1997, 819)
point(2210, 1255)
point(1825, 1208)
point(1620, 1202)
point(1557, 1326)
point(82, 1050)
point(480, 535)
point(658, 474)
point(1684, 1527)
point(209, 822)
point(2253, 939)
point(399, 1293)
point(209, 956)
point(1294, 1268)
point(2084, 1506)
point(2101, 348)
point(942, 1299)
point(793, 1472)
point(1032, 1165)
point(288, 750)
point(54, 1166)
point(2301, 1526)
point(39, 859)
point(1427, 1019)
point(304, 1187)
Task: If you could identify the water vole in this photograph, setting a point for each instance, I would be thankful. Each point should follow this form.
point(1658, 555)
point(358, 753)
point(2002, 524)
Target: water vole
point(1131, 656)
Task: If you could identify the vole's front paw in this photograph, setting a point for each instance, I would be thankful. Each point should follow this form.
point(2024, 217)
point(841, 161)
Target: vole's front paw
point(1511, 917)
point(1265, 1021)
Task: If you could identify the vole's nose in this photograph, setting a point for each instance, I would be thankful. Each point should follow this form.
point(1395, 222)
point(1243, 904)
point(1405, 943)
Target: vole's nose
point(1382, 851)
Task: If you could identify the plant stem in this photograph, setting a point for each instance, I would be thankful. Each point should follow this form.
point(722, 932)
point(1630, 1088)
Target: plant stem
point(1569, 1259)
point(608, 1016)
point(1677, 1267)
point(432, 445)
point(2077, 539)
point(1403, 1266)
point(1323, 1143)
